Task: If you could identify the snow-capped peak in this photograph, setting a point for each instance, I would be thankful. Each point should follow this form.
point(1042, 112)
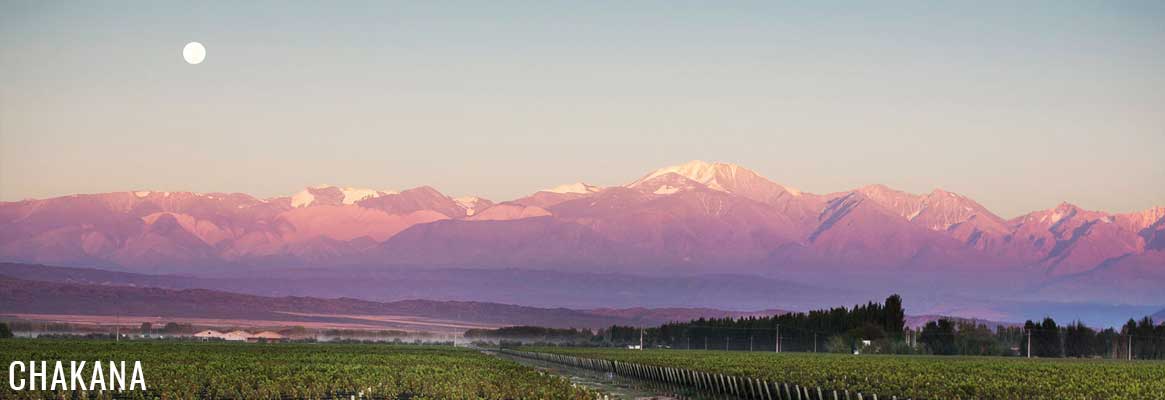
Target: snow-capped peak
point(724, 177)
point(577, 187)
point(697, 170)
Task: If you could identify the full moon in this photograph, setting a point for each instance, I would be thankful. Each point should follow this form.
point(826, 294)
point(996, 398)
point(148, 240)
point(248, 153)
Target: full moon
point(194, 53)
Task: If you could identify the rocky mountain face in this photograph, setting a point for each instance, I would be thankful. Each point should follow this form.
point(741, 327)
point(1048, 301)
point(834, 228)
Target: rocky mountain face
point(697, 217)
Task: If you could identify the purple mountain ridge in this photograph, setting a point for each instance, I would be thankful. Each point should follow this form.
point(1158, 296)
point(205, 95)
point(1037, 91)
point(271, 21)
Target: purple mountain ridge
point(692, 219)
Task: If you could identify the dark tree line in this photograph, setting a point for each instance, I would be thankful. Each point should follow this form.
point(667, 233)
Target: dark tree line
point(798, 331)
point(868, 328)
point(1147, 340)
point(880, 328)
point(1046, 339)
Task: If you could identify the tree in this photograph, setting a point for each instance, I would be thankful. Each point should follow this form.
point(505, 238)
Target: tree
point(1047, 339)
point(176, 328)
point(939, 337)
point(1079, 340)
point(1147, 339)
point(5, 332)
point(838, 344)
point(976, 339)
point(799, 331)
point(895, 316)
point(146, 328)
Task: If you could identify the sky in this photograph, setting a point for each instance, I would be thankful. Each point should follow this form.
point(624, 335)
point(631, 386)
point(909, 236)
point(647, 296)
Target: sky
point(1019, 105)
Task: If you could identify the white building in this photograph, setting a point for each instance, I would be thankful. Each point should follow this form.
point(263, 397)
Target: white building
point(237, 336)
point(209, 334)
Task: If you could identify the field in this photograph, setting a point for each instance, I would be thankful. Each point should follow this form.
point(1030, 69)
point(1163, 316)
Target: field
point(927, 377)
point(188, 370)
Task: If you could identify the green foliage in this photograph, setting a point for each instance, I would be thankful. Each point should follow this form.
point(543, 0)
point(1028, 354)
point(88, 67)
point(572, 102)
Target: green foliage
point(928, 377)
point(217, 370)
point(1147, 337)
point(5, 331)
point(976, 340)
point(799, 331)
point(174, 328)
point(939, 337)
point(1045, 338)
point(839, 344)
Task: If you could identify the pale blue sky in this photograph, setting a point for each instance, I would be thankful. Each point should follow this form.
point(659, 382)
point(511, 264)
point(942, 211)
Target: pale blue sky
point(1019, 105)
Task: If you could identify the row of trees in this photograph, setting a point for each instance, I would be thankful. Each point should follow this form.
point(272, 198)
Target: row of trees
point(1136, 340)
point(837, 328)
point(1146, 339)
point(869, 328)
point(811, 331)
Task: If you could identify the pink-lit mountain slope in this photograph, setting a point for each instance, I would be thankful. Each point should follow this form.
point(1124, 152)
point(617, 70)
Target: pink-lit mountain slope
point(696, 217)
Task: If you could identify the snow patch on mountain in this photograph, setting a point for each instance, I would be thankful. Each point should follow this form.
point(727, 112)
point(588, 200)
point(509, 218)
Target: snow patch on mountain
point(353, 195)
point(666, 189)
point(577, 187)
point(349, 195)
point(471, 204)
point(302, 199)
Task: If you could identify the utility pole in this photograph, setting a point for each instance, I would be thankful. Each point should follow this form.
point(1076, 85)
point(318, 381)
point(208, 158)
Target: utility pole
point(749, 342)
point(117, 328)
point(778, 338)
point(705, 343)
point(814, 342)
point(1130, 346)
point(1029, 344)
point(640, 338)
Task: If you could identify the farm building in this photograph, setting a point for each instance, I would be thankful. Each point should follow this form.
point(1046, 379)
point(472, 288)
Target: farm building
point(267, 336)
point(209, 334)
point(237, 336)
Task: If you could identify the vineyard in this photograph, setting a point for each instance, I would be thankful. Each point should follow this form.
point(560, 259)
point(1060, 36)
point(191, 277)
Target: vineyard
point(919, 377)
point(189, 370)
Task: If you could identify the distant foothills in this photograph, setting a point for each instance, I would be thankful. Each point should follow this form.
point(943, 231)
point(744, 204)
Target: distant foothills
point(91, 297)
point(676, 235)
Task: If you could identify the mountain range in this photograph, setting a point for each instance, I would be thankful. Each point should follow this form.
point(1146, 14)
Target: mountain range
point(689, 219)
